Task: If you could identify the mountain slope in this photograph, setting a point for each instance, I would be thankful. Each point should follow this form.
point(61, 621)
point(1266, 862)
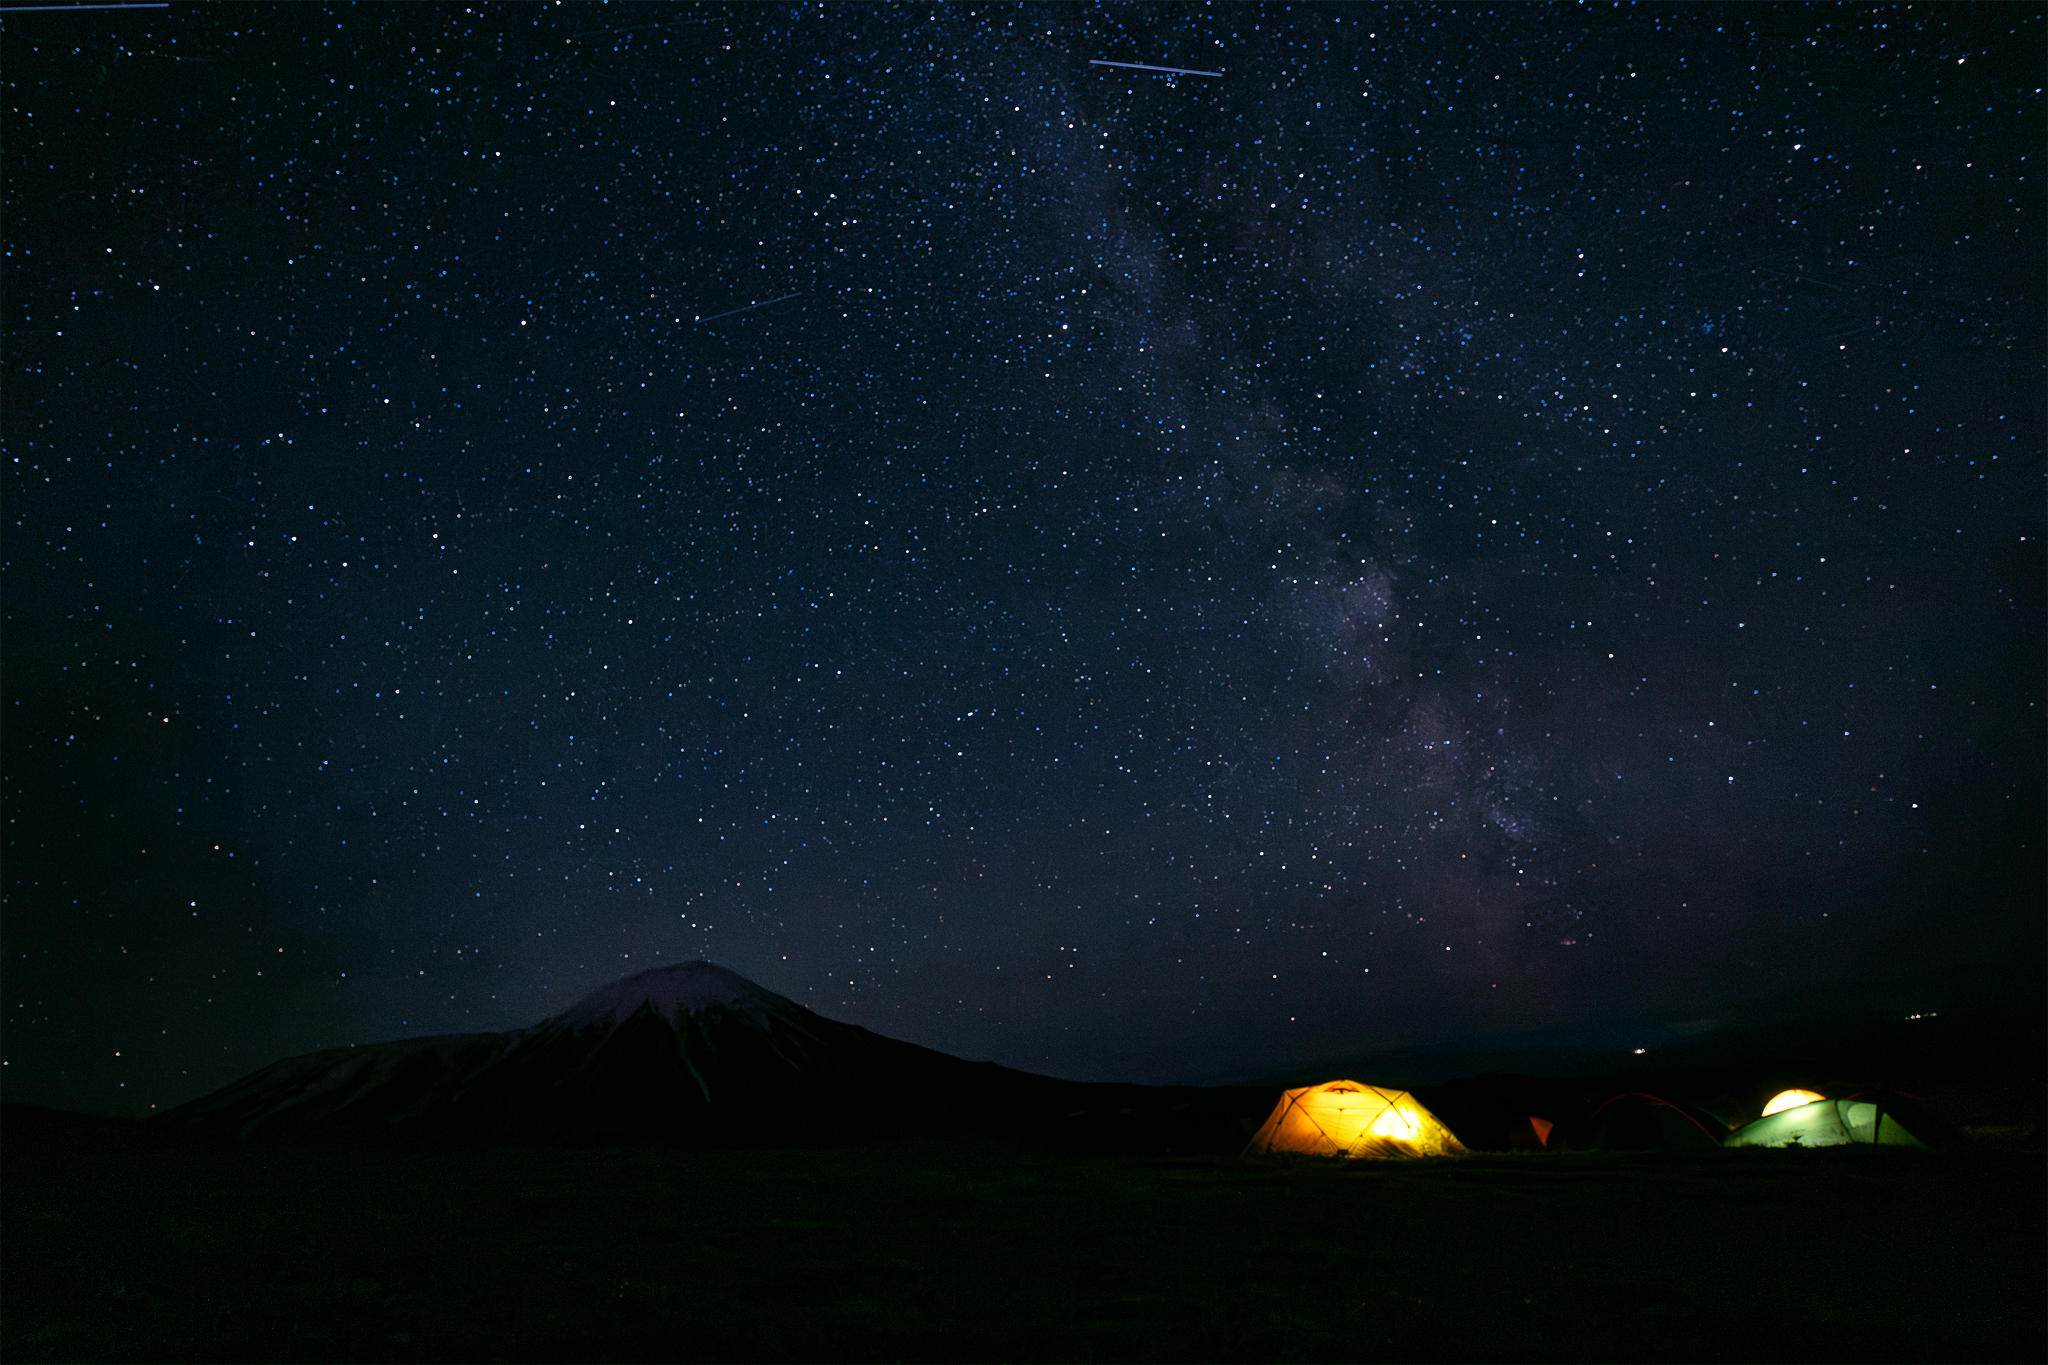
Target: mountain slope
point(689, 1053)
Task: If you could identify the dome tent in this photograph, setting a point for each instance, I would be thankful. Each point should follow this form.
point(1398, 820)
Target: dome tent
point(1344, 1118)
point(1639, 1122)
point(1790, 1099)
point(1825, 1123)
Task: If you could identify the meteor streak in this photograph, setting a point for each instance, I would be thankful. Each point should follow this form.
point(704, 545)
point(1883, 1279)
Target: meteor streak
point(1169, 70)
point(730, 311)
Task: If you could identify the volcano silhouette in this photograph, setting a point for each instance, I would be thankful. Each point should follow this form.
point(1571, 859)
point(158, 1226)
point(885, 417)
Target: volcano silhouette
point(689, 1054)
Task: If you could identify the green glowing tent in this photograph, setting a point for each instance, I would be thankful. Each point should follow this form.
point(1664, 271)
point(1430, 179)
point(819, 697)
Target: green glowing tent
point(1825, 1123)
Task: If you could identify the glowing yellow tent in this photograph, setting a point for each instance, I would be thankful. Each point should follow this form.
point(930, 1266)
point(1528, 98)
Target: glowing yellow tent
point(1344, 1118)
point(1791, 1099)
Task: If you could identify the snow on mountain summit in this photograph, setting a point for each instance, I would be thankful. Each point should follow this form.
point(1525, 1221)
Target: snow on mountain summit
point(685, 988)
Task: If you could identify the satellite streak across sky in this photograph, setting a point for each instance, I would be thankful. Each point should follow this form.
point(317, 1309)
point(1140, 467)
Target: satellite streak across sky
point(781, 298)
point(1169, 70)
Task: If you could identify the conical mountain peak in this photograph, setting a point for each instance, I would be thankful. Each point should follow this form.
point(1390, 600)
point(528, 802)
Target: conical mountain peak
point(685, 988)
point(722, 1070)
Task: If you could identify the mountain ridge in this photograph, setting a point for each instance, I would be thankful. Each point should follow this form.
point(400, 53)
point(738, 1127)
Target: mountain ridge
point(691, 1053)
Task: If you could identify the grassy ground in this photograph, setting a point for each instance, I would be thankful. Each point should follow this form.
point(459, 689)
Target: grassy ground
point(119, 1253)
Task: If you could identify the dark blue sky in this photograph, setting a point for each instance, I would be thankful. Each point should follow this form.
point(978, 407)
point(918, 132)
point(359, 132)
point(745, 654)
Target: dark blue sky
point(1472, 520)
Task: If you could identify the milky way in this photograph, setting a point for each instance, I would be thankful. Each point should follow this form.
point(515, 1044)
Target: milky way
point(1465, 521)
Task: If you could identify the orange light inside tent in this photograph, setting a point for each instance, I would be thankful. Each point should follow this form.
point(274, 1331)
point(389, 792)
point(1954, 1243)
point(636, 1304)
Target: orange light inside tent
point(1791, 1099)
point(1542, 1129)
point(1396, 1123)
point(1344, 1118)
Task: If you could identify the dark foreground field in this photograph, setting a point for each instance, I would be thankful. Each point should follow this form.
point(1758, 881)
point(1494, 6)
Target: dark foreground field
point(114, 1252)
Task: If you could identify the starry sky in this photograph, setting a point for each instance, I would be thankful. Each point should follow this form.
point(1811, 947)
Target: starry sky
point(1470, 520)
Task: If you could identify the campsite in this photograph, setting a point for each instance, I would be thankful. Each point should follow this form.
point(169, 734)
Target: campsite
point(1056, 681)
point(977, 1251)
point(882, 1202)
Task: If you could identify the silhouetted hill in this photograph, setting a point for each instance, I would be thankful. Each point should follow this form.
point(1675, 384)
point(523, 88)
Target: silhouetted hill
point(694, 1054)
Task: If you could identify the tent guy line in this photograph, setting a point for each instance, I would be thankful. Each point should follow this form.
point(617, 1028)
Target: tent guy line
point(1169, 70)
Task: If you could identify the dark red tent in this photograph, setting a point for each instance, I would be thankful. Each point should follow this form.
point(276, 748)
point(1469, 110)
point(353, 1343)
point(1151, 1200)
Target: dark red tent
point(1639, 1122)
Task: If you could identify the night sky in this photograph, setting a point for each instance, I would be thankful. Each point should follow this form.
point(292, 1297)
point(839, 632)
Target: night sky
point(1472, 520)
